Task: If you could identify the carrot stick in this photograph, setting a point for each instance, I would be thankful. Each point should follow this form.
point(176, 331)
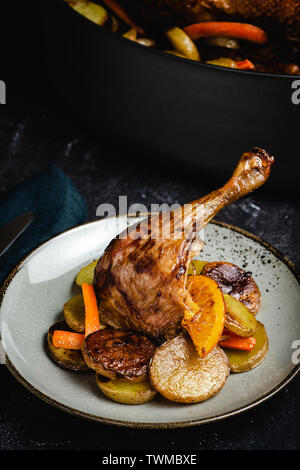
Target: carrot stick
point(121, 13)
point(92, 322)
point(67, 339)
point(228, 29)
point(245, 65)
point(233, 341)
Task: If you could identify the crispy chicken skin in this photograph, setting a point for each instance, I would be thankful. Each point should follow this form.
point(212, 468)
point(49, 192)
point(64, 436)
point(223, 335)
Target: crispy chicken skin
point(279, 15)
point(140, 283)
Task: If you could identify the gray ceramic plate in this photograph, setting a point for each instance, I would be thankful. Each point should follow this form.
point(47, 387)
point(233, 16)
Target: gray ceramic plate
point(32, 300)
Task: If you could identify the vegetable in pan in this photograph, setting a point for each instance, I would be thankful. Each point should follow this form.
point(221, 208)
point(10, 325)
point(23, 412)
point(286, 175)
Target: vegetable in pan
point(264, 39)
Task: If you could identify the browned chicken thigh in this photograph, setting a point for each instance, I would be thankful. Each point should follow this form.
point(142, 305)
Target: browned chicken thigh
point(140, 281)
point(277, 15)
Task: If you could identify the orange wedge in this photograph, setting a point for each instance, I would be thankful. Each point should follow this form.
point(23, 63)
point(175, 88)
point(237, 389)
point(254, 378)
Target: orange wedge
point(206, 316)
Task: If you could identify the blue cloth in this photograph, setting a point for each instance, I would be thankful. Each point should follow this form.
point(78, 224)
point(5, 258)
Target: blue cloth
point(56, 203)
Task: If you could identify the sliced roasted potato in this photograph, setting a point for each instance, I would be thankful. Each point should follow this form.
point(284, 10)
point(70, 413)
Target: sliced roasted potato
point(182, 43)
point(180, 374)
point(118, 354)
point(176, 53)
point(204, 320)
point(69, 358)
point(131, 34)
point(236, 282)
point(242, 361)
point(123, 391)
point(74, 313)
point(92, 11)
point(196, 267)
point(86, 274)
point(238, 318)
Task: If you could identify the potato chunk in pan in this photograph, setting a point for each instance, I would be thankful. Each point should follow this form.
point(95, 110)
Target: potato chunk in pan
point(238, 318)
point(124, 391)
point(86, 274)
point(74, 313)
point(242, 361)
point(180, 374)
point(68, 358)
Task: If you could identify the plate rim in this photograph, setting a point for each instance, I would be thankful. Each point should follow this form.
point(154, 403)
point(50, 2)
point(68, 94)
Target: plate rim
point(151, 425)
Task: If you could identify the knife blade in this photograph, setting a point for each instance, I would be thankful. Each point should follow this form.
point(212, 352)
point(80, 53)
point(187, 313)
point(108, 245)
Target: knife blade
point(13, 229)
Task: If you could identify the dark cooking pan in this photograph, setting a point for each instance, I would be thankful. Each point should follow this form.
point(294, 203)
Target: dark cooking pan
point(174, 107)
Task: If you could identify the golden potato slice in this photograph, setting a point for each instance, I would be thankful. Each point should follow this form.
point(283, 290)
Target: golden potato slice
point(74, 313)
point(236, 282)
point(196, 267)
point(242, 361)
point(68, 358)
point(86, 274)
point(180, 374)
point(123, 391)
point(92, 11)
point(182, 43)
point(238, 318)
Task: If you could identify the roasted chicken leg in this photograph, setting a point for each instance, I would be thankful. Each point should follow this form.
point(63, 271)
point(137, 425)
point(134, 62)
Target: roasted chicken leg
point(140, 281)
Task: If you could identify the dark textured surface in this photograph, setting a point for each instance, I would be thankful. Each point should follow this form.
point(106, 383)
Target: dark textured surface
point(42, 128)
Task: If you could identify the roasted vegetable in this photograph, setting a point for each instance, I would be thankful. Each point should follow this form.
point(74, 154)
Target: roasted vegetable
point(232, 341)
point(147, 42)
point(205, 319)
point(235, 281)
point(223, 62)
point(92, 11)
point(92, 322)
point(229, 29)
point(86, 274)
point(242, 361)
point(119, 10)
point(69, 358)
point(222, 41)
point(238, 318)
point(196, 267)
point(131, 34)
point(178, 54)
point(233, 64)
point(74, 313)
point(123, 391)
point(180, 374)
point(118, 354)
point(67, 339)
point(182, 43)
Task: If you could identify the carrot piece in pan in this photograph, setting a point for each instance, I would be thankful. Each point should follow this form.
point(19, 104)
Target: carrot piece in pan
point(245, 31)
point(92, 322)
point(121, 13)
point(232, 341)
point(67, 339)
point(245, 65)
